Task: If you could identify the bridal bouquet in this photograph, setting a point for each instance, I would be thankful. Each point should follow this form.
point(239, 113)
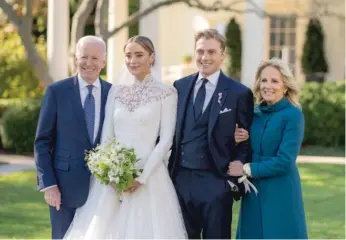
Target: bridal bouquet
point(113, 164)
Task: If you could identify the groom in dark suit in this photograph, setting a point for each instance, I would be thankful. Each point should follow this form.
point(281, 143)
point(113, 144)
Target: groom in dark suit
point(210, 104)
point(70, 123)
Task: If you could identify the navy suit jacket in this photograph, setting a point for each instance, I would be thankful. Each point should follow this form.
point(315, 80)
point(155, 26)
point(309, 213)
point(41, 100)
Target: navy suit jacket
point(62, 140)
point(221, 127)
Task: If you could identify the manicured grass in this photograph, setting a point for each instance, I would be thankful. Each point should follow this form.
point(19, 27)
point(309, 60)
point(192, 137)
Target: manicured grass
point(23, 213)
point(323, 151)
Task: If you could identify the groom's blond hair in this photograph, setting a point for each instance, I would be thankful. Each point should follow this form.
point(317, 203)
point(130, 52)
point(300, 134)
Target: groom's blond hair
point(211, 34)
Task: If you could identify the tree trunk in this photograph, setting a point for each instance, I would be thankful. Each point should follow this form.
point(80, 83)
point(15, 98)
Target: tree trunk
point(77, 29)
point(39, 64)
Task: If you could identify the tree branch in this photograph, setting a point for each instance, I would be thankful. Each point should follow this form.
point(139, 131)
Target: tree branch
point(27, 16)
point(216, 6)
point(77, 29)
point(220, 6)
point(100, 24)
point(11, 14)
point(134, 17)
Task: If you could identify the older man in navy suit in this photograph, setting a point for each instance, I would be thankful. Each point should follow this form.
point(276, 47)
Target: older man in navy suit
point(210, 104)
point(70, 123)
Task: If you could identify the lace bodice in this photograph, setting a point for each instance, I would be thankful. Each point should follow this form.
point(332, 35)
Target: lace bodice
point(142, 93)
point(136, 115)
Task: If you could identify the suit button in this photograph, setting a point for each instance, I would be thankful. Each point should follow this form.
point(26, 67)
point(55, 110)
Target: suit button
point(202, 157)
point(182, 153)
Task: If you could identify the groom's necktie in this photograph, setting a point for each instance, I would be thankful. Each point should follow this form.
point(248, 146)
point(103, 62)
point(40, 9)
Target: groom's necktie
point(199, 100)
point(89, 111)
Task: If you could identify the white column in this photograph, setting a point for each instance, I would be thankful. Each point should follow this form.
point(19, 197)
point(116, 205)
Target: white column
point(253, 43)
point(149, 25)
point(117, 14)
point(58, 38)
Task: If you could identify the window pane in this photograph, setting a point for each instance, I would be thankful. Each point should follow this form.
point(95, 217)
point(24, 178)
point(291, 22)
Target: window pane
point(271, 53)
point(282, 38)
point(272, 22)
point(272, 38)
point(282, 22)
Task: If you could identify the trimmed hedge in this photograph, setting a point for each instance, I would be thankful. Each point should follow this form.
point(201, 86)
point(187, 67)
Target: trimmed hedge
point(7, 103)
point(323, 105)
point(18, 126)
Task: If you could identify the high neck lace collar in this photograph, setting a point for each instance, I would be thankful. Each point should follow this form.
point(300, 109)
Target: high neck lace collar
point(147, 80)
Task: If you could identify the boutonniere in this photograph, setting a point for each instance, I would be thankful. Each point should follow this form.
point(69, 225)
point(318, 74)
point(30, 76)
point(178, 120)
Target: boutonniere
point(220, 98)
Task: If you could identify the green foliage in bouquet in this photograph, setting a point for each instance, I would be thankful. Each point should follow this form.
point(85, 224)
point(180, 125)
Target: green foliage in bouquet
point(113, 164)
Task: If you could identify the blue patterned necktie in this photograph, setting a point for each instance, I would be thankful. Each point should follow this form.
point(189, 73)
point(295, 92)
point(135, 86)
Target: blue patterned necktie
point(199, 100)
point(89, 111)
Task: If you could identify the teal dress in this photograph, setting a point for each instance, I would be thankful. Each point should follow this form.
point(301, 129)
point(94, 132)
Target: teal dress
point(278, 209)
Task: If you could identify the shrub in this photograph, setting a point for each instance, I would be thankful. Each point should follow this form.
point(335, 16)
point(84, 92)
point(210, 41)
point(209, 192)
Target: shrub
point(7, 103)
point(323, 105)
point(234, 47)
point(19, 126)
point(18, 79)
point(313, 60)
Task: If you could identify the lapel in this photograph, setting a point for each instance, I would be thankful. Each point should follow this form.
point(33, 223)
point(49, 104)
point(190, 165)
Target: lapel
point(217, 101)
point(102, 111)
point(183, 106)
point(78, 107)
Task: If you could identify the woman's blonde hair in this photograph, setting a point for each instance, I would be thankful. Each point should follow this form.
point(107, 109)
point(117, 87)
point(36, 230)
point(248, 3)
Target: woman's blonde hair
point(287, 77)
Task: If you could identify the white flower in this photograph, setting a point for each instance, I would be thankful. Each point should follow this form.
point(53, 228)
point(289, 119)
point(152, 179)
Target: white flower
point(108, 163)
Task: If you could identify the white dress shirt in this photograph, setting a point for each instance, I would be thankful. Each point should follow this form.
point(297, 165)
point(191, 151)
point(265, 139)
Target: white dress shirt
point(210, 87)
point(97, 96)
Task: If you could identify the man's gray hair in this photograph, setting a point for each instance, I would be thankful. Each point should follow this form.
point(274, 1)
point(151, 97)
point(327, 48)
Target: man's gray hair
point(91, 39)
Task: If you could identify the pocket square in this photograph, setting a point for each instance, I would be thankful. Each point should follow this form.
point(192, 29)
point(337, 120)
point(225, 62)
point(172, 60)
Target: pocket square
point(225, 110)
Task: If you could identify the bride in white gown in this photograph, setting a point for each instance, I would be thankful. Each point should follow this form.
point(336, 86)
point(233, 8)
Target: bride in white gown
point(138, 111)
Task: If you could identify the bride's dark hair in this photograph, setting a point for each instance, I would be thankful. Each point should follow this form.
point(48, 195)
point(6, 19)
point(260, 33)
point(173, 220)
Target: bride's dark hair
point(145, 42)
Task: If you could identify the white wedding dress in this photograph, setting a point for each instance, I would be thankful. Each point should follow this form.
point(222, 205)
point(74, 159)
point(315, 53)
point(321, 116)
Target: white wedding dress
point(136, 115)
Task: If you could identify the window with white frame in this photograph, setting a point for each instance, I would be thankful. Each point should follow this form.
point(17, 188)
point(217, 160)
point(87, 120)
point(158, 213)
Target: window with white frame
point(283, 38)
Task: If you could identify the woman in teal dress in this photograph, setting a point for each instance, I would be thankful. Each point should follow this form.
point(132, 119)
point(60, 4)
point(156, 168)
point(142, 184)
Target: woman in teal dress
point(277, 211)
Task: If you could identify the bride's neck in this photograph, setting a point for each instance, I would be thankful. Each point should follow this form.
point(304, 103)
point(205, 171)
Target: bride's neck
point(142, 77)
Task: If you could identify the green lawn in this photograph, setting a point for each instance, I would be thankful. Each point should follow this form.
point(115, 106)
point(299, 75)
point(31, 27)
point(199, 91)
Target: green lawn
point(23, 213)
point(322, 151)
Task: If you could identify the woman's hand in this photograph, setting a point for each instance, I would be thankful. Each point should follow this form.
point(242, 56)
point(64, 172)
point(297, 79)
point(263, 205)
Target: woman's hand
point(240, 134)
point(134, 187)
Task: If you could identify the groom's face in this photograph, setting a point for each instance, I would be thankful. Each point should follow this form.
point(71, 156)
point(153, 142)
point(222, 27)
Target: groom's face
point(209, 56)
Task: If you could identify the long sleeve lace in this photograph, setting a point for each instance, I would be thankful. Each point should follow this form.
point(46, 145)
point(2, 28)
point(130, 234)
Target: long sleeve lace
point(167, 127)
